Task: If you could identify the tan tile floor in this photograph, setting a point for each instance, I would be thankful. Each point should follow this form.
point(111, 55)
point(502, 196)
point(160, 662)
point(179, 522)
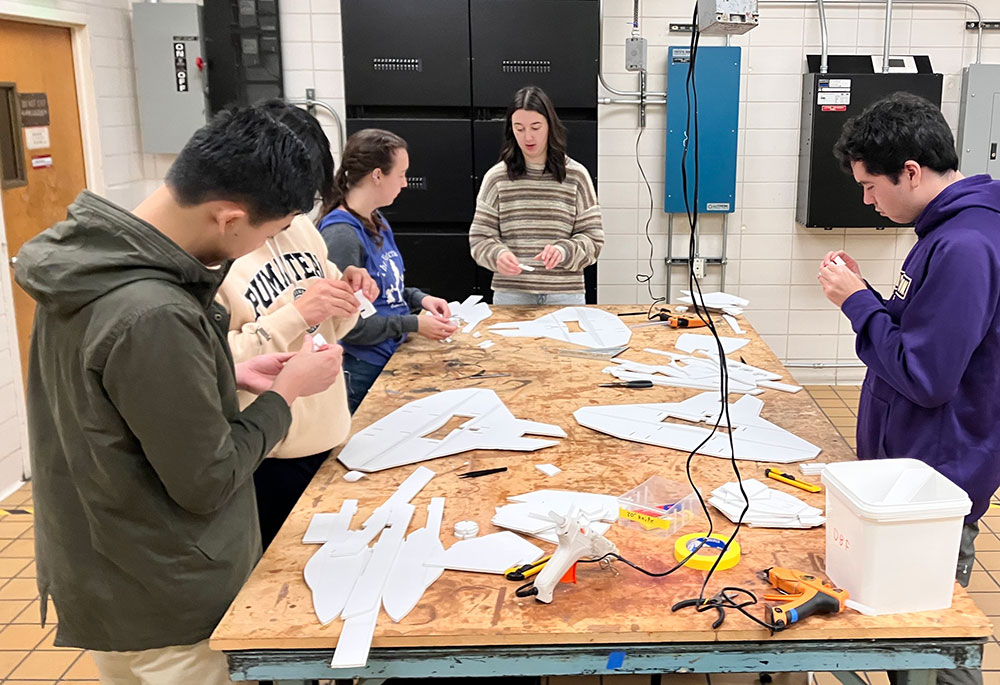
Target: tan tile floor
point(27, 654)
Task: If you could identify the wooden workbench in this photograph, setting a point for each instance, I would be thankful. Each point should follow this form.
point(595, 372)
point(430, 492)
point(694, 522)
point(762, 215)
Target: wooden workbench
point(271, 631)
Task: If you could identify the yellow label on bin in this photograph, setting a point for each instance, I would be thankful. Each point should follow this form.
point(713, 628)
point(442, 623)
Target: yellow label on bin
point(645, 520)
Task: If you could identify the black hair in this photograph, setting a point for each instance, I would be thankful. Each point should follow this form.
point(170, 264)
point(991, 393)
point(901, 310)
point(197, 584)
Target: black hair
point(365, 151)
point(897, 128)
point(308, 129)
point(534, 99)
point(245, 156)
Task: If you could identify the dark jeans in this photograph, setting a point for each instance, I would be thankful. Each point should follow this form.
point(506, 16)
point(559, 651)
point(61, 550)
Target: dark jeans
point(359, 376)
point(279, 484)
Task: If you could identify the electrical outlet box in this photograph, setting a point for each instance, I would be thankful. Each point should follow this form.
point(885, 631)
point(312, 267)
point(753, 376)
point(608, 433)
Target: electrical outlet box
point(635, 53)
point(721, 17)
point(698, 267)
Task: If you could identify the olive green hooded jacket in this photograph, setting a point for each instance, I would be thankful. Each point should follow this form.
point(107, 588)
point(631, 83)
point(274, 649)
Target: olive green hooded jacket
point(145, 518)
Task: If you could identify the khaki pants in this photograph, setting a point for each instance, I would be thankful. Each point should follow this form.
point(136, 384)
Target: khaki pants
point(164, 666)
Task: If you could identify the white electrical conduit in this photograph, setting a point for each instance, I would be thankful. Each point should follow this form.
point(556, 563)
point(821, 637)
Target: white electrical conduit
point(600, 61)
point(888, 36)
point(309, 102)
point(979, 15)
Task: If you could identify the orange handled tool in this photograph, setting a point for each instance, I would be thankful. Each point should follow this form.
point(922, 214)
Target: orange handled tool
point(804, 595)
point(685, 322)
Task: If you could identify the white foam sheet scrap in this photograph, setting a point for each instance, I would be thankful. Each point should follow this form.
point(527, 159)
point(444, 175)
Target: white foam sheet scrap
point(715, 300)
point(400, 438)
point(592, 505)
point(812, 469)
point(409, 577)
point(769, 508)
point(353, 541)
point(486, 344)
point(755, 438)
point(331, 579)
point(494, 553)
point(548, 469)
point(530, 513)
point(783, 387)
point(355, 641)
point(328, 526)
point(353, 476)
point(367, 591)
point(733, 323)
point(600, 329)
point(689, 342)
point(700, 374)
point(471, 311)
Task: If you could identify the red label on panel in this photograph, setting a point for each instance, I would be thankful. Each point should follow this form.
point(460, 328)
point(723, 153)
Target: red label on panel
point(41, 161)
point(834, 108)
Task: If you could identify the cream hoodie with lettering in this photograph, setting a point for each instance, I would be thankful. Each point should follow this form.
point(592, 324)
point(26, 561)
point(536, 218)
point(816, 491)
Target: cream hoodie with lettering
point(259, 293)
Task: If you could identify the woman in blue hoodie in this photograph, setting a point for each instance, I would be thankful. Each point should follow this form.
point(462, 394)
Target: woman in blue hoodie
point(372, 173)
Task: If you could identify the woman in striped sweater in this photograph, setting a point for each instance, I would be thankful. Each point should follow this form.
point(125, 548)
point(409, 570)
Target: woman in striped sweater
point(537, 222)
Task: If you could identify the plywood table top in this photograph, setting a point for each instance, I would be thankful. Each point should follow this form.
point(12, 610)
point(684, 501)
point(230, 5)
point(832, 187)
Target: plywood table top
point(606, 606)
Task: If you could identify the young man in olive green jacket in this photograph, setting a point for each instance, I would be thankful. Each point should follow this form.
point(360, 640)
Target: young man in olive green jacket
point(142, 462)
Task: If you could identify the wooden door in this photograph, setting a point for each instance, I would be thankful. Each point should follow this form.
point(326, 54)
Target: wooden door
point(39, 59)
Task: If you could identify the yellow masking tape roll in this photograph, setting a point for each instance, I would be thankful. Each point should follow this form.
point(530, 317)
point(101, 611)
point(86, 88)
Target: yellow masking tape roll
point(709, 552)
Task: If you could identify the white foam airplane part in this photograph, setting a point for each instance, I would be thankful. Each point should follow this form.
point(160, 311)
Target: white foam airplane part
point(530, 513)
point(599, 328)
point(730, 304)
point(754, 438)
point(400, 438)
point(769, 508)
point(471, 311)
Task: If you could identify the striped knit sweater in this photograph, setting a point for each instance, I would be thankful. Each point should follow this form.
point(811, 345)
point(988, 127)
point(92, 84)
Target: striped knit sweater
point(525, 215)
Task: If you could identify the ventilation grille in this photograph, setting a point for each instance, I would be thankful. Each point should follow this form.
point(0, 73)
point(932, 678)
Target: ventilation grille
point(397, 64)
point(526, 66)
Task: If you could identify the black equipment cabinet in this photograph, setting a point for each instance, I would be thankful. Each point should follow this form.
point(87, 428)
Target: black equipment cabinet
point(406, 54)
point(828, 197)
point(551, 44)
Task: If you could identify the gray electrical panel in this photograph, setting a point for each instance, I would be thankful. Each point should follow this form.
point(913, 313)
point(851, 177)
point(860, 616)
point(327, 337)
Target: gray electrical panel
point(169, 76)
point(979, 120)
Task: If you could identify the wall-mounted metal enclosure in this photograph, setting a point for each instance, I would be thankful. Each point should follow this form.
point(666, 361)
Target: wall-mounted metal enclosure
point(827, 197)
point(717, 81)
point(406, 53)
point(979, 120)
point(169, 80)
point(551, 44)
point(243, 49)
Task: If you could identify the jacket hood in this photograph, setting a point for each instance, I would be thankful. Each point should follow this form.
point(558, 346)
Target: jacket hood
point(100, 247)
point(975, 191)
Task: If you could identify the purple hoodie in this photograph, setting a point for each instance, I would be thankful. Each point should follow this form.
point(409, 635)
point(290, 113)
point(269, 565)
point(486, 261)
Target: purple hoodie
point(932, 391)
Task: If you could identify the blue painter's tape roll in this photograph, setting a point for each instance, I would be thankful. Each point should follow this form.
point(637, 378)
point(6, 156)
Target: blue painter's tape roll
point(615, 660)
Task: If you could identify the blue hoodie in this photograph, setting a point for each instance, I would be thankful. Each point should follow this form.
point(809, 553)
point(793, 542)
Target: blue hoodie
point(385, 264)
point(932, 391)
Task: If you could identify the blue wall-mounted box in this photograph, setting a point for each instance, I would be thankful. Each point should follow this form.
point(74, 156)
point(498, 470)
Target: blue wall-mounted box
point(717, 80)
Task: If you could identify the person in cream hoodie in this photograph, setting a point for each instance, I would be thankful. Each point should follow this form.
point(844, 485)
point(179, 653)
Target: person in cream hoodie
point(285, 295)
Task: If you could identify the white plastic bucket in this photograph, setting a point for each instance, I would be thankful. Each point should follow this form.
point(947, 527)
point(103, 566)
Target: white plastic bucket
point(893, 528)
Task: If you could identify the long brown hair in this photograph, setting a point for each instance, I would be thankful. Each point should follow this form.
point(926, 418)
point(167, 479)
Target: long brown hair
point(365, 151)
point(534, 99)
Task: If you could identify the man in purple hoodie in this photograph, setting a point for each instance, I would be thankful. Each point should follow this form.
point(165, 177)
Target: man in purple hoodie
point(932, 391)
